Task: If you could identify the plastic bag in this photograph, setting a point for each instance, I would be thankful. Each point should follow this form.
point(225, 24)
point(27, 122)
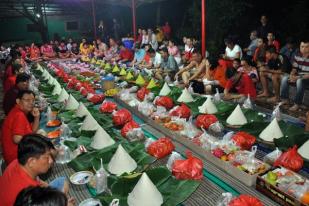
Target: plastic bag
point(125, 95)
point(108, 107)
point(161, 148)
point(205, 120)
point(216, 129)
point(174, 156)
point(248, 103)
point(146, 108)
point(217, 97)
point(271, 157)
point(244, 140)
point(141, 93)
point(290, 159)
point(276, 113)
point(127, 127)
point(182, 111)
point(121, 117)
point(135, 134)
point(245, 200)
point(95, 98)
point(190, 168)
point(224, 199)
point(164, 101)
point(189, 129)
point(83, 91)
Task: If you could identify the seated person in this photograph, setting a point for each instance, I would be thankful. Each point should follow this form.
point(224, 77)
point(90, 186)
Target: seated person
point(34, 158)
point(242, 80)
point(63, 51)
point(260, 51)
point(47, 51)
point(174, 51)
point(81, 45)
point(10, 81)
point(271, 41)
point(232, 51)
point(276, 66)
point(86, 50)
point(100, 48)
point(168, 65)
point(188, 71)
point(112, 52)
point(188, 52)
point(146, 62)
point(253, 44)
point(289, 50)
point(154, 61)
point(298, 75)
point(125, 55)
point(75, 50)
point(139, 54)
point(42, 196)
point(16, 124)
point(35, 54)
point(21, 84)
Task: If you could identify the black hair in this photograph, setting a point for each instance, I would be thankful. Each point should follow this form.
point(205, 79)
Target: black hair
point(41, 196)
point(237, 60)
point(164, 49)
point(228, 41)
point(23, 77)
point(305, 40)
point(16, 67)
point(23, 92)
point(151, 51)
point(247, 59)
point(32, 145)
point(213, 61)
point(271, 49)
point(290, 40)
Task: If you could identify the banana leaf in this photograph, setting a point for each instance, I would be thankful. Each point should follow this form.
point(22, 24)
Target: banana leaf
point(91, 159)
point(46, 89)
point(173, 191)
point(67, 116)
point(36, 72)
point(175, 93)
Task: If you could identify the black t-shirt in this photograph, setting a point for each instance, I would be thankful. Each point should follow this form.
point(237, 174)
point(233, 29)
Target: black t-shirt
point(280, 63)
point(75, 50)
point(62, 49)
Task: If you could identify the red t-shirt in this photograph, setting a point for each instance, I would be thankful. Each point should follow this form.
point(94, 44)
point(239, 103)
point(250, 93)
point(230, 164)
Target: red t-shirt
point(9, 83)
point(147, 58)
point(14, 180)
point(16, 123)
point(126, 54)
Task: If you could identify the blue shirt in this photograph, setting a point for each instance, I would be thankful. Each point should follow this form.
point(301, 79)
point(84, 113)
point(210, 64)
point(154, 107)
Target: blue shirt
point(139, 55)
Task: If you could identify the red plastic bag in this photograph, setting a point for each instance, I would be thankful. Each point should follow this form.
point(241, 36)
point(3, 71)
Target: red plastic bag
point(191, 168)
point(165, 101)
point(161, 148)
point(205, 120)
point(108, 107)
point(141, 93)
point(244, 140)
point(96, 98)
point(127, 127)
point(245, 200)
point(290, 159)
point(121, 117)
point(183, 111)
point(83, 91)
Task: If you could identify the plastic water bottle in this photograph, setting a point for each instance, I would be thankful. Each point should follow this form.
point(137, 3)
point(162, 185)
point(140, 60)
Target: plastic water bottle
point(49, 114)
point(101, 179)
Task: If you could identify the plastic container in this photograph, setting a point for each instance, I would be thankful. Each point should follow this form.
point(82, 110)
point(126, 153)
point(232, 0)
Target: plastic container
point(108, 82)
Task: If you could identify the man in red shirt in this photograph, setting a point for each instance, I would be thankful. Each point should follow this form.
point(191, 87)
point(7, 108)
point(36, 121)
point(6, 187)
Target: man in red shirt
point(34, 158)
point(16, 124)
point(10, 81)
point(125, 55)
point(9, 100)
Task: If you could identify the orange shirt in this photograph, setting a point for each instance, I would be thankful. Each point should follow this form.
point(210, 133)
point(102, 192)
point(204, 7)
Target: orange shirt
point(219, 75)
point(14, 180)
point(16, 123)
point(34, 52)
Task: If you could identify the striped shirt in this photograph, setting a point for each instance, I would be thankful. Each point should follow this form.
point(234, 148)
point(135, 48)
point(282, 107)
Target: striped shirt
point(301, 64)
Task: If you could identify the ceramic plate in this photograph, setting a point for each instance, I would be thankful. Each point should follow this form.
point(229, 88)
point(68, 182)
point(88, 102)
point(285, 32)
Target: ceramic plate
point(81, 178)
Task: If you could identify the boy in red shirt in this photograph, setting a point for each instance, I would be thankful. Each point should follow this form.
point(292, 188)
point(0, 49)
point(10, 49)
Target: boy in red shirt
point(16, 124)
point(125, 55)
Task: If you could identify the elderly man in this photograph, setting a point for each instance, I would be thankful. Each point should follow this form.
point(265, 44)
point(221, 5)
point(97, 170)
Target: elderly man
point(16, 124)
point(298, 75)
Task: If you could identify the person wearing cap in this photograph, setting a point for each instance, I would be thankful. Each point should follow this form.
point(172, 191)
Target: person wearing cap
point(9, 100)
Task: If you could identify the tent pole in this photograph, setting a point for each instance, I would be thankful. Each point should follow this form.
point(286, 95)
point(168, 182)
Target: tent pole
point(203, 28)
point(134, 19)
point(94, 19)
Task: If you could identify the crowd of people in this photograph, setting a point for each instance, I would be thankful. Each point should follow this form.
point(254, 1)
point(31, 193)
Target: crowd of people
point(237, 73)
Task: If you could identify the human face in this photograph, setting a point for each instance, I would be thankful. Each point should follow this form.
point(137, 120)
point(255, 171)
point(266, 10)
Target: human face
point(243, 63)
point(270, 36)
point(26, 103)
point(263, 20)
point(304, 48)
point(252, 35)
point(144, 32)
point(196, 57)
point(184, 39)
point(164, 54)
point(42, 164)
point(170, 44)
point(236, 64)
point(189, 42)
point(259, 42)
point(84, 41)
point(111, 42)
point(23, 85)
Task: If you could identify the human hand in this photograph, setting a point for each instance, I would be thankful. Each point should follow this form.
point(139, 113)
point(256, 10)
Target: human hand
point(35, 112)
point(71, 201)
point(293, 78)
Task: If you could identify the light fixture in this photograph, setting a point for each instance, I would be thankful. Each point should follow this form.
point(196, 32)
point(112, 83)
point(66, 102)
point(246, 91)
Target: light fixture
point(38, 15)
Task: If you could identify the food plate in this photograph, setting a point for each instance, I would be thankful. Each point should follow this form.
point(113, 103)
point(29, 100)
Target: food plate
point(54, 134)
point(81, 178)
point(53, 123)
point(90, 202)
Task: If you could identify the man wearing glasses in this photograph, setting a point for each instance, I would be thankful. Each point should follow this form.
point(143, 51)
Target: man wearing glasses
point(16, 124)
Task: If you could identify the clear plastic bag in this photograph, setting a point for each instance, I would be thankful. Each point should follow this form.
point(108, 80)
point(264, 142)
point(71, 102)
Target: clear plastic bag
point(189, 129)
point(216, 129)
point(224, 199)
point(277, 113)
point(146, 108)
point(147, 142)
point(271, 157)
point(135, 134)
point(174, 156)
point(248, 103)
point(125, 95)
point(217, 97)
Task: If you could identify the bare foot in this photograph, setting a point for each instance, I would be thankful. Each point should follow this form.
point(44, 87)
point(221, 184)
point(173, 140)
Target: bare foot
point(262, 95)
point(294, 108)
point(273, 100)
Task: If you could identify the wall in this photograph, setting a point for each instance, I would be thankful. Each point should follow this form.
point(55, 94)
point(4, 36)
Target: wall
point(15, 29)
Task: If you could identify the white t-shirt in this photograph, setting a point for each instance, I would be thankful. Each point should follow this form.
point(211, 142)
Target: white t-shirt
point(232, 53)
point(156, 61)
